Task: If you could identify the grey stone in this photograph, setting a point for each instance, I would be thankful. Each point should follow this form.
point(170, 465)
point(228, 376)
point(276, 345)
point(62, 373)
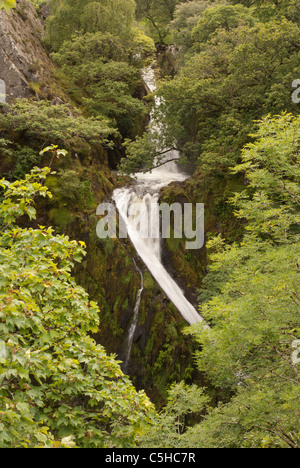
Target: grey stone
point(25, 66)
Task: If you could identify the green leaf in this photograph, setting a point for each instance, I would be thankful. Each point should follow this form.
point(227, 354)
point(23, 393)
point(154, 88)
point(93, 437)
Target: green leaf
point(7, 4)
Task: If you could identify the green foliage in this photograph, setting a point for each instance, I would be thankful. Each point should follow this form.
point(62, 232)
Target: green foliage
point(109, 88)
point(236, 70)
point(142, 46)
point(225, 17)
point(88, 48)
point(55, 123)
point(254, 311)
point(72, 197)
point(7, 4)
point(107, 16)
point(58, 388)
point(186, 17)
point(248, 351)
point(27, 159)
point(156, 15)
point(103, 73)
point(142, 152)
point(272, 168)
point(16, 161)
point(170, 424)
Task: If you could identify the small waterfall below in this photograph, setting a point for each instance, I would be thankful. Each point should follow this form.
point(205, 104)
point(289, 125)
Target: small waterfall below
point(138, 207)
point(130, 336)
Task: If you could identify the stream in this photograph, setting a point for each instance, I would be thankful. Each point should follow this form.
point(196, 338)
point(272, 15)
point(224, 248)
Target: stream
point(138, 206)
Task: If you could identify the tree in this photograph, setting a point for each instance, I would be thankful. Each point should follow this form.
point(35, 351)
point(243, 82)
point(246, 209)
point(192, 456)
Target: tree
point(170, 424)
point(58, 388)
point(234, 74)
point(157, 14)
point(225, 17)
point(251, 299)
point(107, 16)
point(43, 121)
point(106, 76)
point(186, 17)
point(100, 52)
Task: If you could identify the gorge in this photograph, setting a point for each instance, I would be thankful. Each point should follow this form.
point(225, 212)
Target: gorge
point(144, 195)
point(147, 338)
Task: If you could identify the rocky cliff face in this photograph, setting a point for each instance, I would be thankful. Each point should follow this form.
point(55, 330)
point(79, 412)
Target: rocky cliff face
point(25, 67)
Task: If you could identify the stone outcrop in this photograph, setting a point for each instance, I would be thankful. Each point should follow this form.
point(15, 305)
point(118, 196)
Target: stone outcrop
point(25, 67)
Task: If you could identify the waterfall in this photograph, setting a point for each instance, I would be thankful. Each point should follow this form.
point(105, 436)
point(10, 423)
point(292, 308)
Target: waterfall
point(144, 194)
point(129, 341)
point(150, 249)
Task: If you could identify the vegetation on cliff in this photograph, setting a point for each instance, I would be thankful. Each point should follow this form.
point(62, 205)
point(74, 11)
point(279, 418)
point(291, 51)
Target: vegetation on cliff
point(58, 388)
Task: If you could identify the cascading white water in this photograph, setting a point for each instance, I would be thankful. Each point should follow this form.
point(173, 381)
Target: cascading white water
point(134, 323)
point(145, 193)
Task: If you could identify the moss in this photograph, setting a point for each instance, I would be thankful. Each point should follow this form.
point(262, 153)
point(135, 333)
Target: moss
point(61, 217)
point(107, 245)
point(149, 346)
point(173, 244)
point(125, 279)
point(149, 282)
point(36, 87)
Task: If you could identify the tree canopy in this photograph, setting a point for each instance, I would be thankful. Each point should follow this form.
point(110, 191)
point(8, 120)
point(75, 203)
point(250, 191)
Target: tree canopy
point(108, 16)
point(236, 70)
point(251, 298)
point(100, 50)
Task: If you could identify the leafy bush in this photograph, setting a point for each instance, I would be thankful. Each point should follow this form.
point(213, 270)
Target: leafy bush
point(57, 387)
point(54, 123)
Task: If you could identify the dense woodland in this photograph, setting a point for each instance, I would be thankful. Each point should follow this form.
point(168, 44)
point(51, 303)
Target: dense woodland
point(225, 71)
